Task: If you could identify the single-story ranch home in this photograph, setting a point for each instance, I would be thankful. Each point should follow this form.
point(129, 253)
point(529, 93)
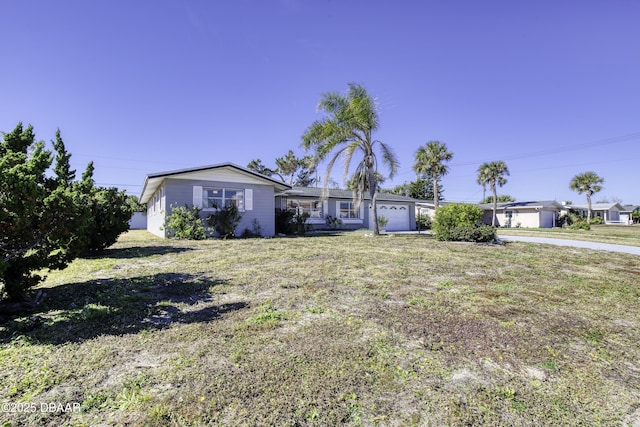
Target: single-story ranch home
point(542, 214)
point(258, 196)
point(609, 212)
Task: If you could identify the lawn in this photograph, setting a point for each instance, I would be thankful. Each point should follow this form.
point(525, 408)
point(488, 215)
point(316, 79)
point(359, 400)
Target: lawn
point(616, 234)
point(329, 330)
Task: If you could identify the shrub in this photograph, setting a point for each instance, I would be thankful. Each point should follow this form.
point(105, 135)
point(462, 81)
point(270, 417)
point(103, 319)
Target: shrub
point(483, 233)
point(299, 223)
point(289, 222)
point(382, 221)
point(110, 214)
point(333, 222)
point(423, 222)
point(580, 225)
point(455, 215)
point(256, 230)
point(284, 221)
point(185, 223)
point(225, 220)
point(596, 220)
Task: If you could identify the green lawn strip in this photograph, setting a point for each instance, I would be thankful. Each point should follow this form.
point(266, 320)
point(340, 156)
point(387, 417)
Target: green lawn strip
point(328, 330)
point(614, 234)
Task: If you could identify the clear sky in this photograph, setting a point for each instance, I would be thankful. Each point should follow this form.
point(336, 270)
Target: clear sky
point(550, 87)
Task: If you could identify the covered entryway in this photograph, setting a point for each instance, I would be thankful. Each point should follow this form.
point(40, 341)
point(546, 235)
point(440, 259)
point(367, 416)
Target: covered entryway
point(397, 216)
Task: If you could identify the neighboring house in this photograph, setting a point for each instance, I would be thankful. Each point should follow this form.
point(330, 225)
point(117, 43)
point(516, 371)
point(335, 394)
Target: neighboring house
point(629, 214)
point(209, 186)
point(257, 197)
point(427, 208)
point(319, 203)
point(609, 212)
point(543, 214)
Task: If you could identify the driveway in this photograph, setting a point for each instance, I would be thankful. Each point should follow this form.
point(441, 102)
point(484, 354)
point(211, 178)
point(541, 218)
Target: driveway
point(633, 250)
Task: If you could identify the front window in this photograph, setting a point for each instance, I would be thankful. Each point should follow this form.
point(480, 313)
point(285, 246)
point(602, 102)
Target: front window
point(215, 198)
point(311, 207)
point(348, 210)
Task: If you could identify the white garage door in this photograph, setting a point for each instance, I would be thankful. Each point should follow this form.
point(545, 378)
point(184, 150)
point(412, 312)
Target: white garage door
point(397, 215)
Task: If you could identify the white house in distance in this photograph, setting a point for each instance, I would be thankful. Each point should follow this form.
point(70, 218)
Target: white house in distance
point(609, 212)
point(543, 214)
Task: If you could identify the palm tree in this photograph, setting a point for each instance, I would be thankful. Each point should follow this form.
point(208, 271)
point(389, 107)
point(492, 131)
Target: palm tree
point(588, 183)
point(492, 174)
point(429, 161)
point(347, 129)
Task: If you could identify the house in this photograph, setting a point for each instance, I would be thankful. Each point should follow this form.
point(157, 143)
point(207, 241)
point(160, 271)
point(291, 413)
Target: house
point(543, 214)
point(209, 186)
point(257, 196)
point(609, 212)
point(427, 208)
point(629, 214)
point(319, 204)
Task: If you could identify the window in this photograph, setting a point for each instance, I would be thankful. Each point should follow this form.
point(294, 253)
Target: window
point(348, 210)
point(214, 198)
point(301, 206)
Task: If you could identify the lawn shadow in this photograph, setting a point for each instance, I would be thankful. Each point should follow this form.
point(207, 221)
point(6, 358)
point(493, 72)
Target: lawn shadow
point(138, 252)
point(81, 311)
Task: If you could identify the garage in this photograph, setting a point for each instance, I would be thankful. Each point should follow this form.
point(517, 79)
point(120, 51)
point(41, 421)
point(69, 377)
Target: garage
point(397, 216)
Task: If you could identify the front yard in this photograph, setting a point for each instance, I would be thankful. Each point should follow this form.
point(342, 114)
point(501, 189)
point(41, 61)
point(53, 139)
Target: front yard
point(329, 330)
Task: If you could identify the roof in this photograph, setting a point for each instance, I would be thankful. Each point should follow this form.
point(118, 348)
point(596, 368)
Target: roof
point(342, 194)
point(630, 208)
point(598, 206)
point(154, 180)
point(515, 205)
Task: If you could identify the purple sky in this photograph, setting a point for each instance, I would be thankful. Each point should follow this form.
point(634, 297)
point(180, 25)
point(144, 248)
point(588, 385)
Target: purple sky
point(552, 88)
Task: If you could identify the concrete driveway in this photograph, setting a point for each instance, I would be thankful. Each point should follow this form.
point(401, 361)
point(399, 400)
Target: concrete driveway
point(633, 250)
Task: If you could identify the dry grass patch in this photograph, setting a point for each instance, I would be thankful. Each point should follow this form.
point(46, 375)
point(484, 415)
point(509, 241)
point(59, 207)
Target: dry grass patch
point(330, 330)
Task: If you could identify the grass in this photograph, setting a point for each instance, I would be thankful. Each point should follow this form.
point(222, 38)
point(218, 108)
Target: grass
point(328, 330)
point(616, 234)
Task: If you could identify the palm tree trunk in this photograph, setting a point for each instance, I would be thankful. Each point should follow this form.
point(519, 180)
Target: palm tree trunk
point(588, 208)
point(495, 204)
point(435, 192)
point(373, 192)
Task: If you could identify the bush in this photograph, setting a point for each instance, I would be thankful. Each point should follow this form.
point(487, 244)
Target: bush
point(455, 215)
point(596, 220)
point(299, 223)
point(256, 230)
point(110, 214)
point(333, 222)
point(580, 225)
point(423, 222)
point(382, 222)
point(185, 223)
point(570, 219)
point(225, 220)
point(289, 222)
point(483, 233)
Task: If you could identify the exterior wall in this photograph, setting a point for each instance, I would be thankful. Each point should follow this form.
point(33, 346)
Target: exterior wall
point(156, 210)
point(487, 216)
point(526, 218)
point(179, 192)
point(548, 219)
point(331, 207)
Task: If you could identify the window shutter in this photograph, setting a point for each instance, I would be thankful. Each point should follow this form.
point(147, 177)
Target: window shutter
point(197, 196)
point(248, 199)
